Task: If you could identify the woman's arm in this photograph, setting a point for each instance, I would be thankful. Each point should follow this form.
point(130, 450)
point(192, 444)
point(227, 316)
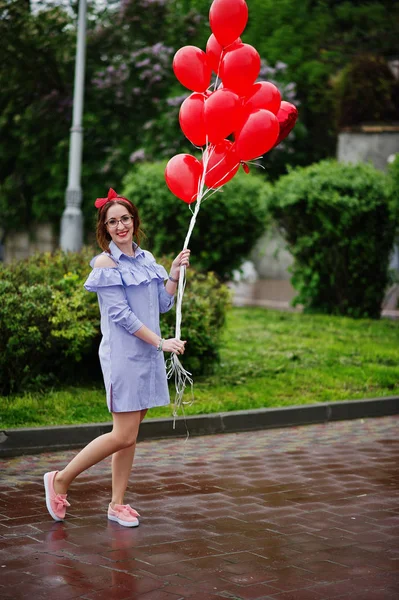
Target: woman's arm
point(113, 297)
point(148, 336)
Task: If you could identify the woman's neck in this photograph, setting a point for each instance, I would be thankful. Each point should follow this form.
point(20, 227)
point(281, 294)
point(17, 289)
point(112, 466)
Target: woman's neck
point(127, 249)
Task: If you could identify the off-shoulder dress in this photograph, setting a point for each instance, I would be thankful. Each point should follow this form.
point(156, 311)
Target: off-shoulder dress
point(130, 295)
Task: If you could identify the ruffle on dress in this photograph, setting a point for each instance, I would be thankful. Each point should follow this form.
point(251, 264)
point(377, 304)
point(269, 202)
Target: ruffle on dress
point(102, 277)
point(142, 270)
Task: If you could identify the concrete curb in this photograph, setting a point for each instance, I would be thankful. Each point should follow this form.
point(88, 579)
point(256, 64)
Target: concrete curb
point(14, 442)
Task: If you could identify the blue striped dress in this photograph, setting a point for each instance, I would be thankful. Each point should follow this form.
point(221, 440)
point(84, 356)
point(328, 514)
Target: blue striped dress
point(130, 295)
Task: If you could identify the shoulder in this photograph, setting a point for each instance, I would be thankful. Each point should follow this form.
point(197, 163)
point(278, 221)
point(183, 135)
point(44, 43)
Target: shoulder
point(149, 256)
point(103, 260)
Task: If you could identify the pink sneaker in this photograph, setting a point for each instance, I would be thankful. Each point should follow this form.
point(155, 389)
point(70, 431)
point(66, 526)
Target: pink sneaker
point(123, 514)
point(56, 503)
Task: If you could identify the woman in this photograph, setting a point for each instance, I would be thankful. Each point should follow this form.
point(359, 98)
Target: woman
point(131, 293)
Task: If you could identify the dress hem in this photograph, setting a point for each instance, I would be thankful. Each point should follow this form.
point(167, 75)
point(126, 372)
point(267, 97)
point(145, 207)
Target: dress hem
point(141, 408)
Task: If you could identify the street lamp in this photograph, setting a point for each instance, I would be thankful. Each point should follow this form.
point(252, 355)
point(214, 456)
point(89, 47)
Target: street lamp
point(72, 218)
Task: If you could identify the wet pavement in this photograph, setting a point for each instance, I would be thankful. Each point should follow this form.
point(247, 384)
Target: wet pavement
point(303, 513)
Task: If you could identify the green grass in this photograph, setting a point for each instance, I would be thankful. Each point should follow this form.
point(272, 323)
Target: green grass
point(268, 359)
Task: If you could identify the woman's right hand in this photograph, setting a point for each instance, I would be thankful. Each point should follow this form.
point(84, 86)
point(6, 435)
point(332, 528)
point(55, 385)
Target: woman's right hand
point(174, 345)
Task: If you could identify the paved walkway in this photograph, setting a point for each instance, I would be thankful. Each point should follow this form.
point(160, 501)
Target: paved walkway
point(305, 513)
point(278, 294)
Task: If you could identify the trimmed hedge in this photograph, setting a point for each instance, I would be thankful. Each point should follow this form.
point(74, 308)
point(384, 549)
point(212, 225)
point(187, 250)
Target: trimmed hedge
point(228, 224)
point(393, 173)
point(339, 226)
point(50, 325)
point(366, 92)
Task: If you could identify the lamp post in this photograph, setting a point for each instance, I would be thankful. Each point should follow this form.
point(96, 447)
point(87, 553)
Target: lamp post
point(72, 218)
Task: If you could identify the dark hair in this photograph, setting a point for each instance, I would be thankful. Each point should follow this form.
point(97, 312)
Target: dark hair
point(103, 237)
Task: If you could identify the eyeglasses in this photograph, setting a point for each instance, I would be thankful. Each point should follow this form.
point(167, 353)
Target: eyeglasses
point(125, 220)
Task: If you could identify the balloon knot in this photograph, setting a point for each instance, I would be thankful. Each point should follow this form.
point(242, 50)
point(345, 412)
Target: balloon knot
point(245, 167)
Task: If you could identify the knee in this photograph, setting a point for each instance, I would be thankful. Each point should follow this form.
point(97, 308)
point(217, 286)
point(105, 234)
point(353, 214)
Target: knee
point(128, 441)
point(125, 440)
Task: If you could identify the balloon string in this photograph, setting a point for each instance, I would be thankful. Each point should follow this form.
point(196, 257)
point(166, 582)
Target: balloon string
point(221, 159)
point(223, 52)
point(257, 164)
point(217, 74)
point(210, 191)
point(173, 364)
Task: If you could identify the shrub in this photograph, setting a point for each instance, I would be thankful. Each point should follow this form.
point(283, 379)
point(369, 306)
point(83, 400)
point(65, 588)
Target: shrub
point(25, 332)
point(204, 308)
point(49, 324)
point(366, 91)
point(337, 222)
point(228, 223)
point(393, 174)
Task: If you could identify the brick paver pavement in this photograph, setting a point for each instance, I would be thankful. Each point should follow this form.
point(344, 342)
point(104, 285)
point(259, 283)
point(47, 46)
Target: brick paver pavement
point(305, 513)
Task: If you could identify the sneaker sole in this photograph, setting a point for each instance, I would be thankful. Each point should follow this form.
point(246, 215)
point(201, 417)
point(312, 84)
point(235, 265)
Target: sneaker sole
point(124, 523)
point(48, 504)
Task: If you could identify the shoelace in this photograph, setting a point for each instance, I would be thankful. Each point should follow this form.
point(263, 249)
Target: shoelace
point(61, 501)
point(130, 511)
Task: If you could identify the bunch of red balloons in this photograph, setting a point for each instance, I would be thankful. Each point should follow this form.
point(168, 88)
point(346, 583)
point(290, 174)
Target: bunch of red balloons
point(251, 114)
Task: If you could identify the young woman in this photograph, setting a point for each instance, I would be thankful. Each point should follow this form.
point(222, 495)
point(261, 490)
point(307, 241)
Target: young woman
point(132, 293)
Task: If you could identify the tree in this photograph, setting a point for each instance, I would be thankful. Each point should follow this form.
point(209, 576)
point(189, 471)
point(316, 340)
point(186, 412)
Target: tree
point(128, 72)
point(35, 108)
point(132, 97)
point(315, 39)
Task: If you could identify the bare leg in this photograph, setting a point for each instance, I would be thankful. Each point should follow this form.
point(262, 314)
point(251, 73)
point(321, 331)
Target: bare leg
point(123, 435)
point(122, 462)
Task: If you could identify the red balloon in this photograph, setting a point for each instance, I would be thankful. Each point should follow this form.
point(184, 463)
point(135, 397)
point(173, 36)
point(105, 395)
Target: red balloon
point(228, 19)
point(240, 68)
point(287, 116)
point(263, 95)
point(191, 119)
point(222, 114)
point(222, 165)
point(214, 51)
point(182, 175)
point(190, 65)
point(258, 134)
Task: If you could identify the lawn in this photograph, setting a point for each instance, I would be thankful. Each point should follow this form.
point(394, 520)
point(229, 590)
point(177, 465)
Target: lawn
point(268, 358)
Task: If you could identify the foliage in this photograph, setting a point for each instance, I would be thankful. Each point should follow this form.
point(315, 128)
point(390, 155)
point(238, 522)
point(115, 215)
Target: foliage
point(132, 97)
point(393, 174)
point(268, 359)
point(128, 71)
point(24, 333)
point(228, 223)
point(204, 308)
point(49, 324)
point(337, 222)
point(366, 92)
point(130, 52)
point(48, 327)
point(35, 111)
point(315, 39)
point(162, 136)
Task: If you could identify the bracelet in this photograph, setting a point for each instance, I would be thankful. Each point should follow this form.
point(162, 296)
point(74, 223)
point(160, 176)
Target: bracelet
point(160, 344)
point(173, 279)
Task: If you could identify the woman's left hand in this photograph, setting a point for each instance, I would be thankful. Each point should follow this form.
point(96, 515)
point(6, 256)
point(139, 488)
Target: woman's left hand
point(181, 260)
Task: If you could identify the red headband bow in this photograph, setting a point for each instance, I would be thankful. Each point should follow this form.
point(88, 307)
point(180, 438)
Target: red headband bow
point(112, 195)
